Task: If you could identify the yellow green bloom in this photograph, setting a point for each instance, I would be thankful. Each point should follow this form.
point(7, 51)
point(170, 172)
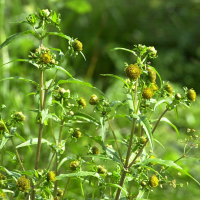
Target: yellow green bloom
point(154, 181)
point(133, 71)
point(51, 176)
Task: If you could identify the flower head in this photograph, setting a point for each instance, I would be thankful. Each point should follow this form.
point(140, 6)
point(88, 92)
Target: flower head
point(154, 181)
point(191, 95)
point(51, 176)
point(133, 71)
point(147, 93)
point(23, 184)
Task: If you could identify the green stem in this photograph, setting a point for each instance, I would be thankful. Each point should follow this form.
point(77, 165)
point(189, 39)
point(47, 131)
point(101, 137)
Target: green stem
point(135, 99)
point(115, 138)
point(127, 160)
point(82, 189)
point(2, 154)
point(51, 161)
point(66, 186)
point(140, 151)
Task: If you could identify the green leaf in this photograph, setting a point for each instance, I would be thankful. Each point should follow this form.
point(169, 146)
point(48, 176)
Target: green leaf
point(12, 37)
point(20, 78)
point(164, 119)
point(64, 160)
point(32, 142)
point(63, 70)
point(77, 174)
point(58, 34)
point(22, 139)
point(117, 186)
point(73, 80)
point(86, 117)
point(6, 137)
point(124, 49)
point(140, 195)
point(117, 77)
point(22, 60)
point(160, 102)
point(146, 126)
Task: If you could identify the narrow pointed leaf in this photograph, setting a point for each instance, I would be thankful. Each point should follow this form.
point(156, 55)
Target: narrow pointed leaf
point(32, 142)
point(124, 49)
point(164, 119)
point(58, 34)
point(20, 78)
point(21, 60)
point(117, 77)
point(63, 70)
point(12, 37)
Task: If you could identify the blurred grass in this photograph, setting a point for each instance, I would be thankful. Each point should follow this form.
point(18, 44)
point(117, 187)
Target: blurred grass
point(172, 27)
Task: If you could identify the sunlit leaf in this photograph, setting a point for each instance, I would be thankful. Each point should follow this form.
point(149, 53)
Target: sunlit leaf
point(32, 142)
point(63, 70)
point(12, 37)
point(164, 119)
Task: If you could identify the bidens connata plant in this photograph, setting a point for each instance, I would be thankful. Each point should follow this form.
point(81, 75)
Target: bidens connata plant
point(114, 169)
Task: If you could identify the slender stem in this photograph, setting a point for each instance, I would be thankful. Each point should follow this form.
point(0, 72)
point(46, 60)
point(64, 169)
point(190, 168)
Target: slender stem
point(115, 138)
point(127, 160)
point(66, 186)
point(20, 162)
point(135, 99)
point(2, 154)
point(140, 151)
point(82, 191)
point(51, 161)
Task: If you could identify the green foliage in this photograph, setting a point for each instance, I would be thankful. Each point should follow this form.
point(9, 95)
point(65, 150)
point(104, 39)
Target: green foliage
point(128, 162)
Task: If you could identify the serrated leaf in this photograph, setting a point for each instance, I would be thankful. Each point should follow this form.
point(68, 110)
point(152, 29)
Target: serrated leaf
point(124, 49)
point(20, 78)
point(58, 34)
point(117, 77)
point(22, 60)
point(86, 117)
point(164, 119)
point(146, 126)
point(159, 102)
point(33, 141)
point(6, 137)
point(73, 80)
point(77, 174)
point(64, 160)
point(63, 70)
point(12, 37)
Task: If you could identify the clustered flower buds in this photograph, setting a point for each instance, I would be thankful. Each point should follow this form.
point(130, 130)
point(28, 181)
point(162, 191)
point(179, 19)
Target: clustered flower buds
point(153, 181)
point(133, 71)
point(74, 165)
point(51, 176)
point(23, 184)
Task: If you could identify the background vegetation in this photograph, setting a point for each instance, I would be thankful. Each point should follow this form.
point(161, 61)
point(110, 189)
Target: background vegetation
point(172, 27)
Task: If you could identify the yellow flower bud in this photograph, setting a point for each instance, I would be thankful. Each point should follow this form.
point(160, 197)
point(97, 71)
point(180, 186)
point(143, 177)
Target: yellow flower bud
point(133, 71)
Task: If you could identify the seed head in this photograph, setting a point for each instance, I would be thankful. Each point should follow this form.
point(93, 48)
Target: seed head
point(93, 100)
point(19, 117)
point(82, 102)
point(168, 88)
point(77, 134)
point(191, 95)
point(95, 150)
point(74, 165)
point(101, 170)
point(23, 184)
point(147, 93)
point(143, 140)
point(133, 71)
point(153, 181)
point(154, 86)
point(77, 45)
point(46, 58)
point(151, 75)
point(51, 176)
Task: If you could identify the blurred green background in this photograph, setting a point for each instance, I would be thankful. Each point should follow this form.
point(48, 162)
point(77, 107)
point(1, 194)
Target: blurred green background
point(172, 27)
